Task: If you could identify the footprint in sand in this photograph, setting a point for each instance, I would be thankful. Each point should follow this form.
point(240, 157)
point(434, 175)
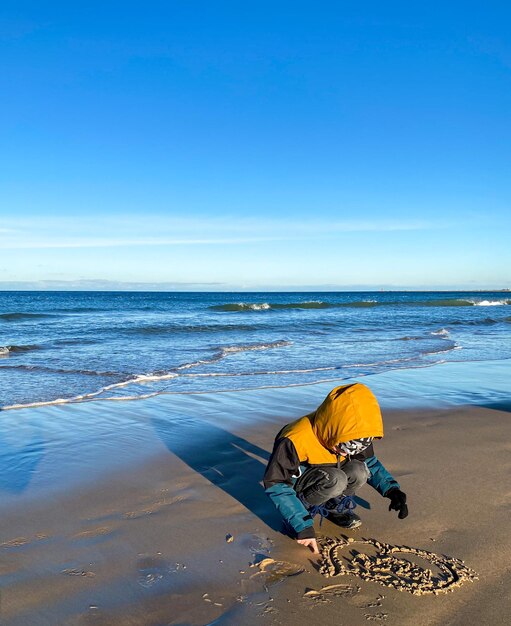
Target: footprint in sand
point(325, 595)
point(387, 566)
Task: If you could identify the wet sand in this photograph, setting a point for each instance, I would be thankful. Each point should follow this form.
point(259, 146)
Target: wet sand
point(164, 521)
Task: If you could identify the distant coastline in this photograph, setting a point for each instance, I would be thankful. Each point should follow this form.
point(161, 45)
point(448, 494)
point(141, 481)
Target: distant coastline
point(8, 287)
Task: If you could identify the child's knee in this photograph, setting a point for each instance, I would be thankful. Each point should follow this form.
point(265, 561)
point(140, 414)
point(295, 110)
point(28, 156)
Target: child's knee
point(337, 482)
point(358, 472)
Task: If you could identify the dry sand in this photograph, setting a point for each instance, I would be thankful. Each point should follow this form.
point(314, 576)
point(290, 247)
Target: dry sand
point(187, 536)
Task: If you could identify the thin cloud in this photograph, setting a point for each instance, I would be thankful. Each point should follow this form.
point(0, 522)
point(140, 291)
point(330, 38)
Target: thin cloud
point(115, 243)
point(131, 231)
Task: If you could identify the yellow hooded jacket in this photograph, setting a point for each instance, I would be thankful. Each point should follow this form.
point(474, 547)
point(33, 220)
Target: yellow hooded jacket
point(348, 412)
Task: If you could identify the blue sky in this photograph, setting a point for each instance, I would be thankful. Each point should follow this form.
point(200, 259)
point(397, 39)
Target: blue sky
point(227, 145)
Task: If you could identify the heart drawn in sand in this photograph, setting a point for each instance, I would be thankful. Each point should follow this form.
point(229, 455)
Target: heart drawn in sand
point(393, 566)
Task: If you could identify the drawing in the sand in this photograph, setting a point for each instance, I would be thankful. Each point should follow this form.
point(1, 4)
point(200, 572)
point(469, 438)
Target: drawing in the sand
point(393, 566)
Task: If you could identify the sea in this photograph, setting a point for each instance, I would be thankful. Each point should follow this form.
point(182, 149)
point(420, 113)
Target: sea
point(72, 347)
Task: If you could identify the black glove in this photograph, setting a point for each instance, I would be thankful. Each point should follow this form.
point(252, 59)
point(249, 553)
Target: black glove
point(397, 502)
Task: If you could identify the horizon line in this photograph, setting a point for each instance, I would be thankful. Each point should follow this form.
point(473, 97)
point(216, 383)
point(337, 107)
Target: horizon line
point(269, 290)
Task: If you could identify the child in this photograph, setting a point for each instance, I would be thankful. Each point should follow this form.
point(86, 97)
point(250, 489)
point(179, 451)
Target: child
point(320, 460)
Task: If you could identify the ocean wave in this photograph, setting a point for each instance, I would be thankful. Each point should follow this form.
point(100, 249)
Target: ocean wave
point(464, 302)
point(361, 304)
point(241, 307)
point(442, 333)
point(447, 302)
point(259, 373)
point(277, 306)
point(487, 321)
point(492, 302)
point(19, 317)
point(58, 370)
point(255, 346)
point(224, 351)
point(137, 380)
point(7, 350)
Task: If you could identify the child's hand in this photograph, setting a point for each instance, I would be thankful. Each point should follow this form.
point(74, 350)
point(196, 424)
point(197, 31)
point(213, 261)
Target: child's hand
point(397, 502)
point(309, 543)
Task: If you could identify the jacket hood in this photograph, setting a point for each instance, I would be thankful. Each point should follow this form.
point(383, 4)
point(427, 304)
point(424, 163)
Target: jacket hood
point(348, 412)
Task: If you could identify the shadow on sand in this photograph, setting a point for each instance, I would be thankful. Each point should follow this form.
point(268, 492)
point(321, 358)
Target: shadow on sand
point(229, 462)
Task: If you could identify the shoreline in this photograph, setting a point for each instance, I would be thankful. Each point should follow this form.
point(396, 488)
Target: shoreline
point(392, 372)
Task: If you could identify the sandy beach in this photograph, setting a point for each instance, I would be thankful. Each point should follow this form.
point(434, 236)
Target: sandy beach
point(160, 517)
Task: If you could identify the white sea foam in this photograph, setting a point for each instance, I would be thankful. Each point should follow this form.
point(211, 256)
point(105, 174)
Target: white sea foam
point(443, 332)
point(187, 366)
point(491, 302)
point(141, 379)
point(261, 373)
point(4, 351)
point(264, 306)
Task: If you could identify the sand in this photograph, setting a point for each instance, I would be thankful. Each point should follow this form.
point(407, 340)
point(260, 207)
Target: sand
point(173, 527)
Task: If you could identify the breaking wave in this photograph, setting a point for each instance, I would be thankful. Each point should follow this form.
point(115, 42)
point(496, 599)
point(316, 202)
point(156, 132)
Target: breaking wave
point(464, 302)
point(319, 304)
point(492, 302)
point(266, 306)
point(443, 332)
point(7, 350)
